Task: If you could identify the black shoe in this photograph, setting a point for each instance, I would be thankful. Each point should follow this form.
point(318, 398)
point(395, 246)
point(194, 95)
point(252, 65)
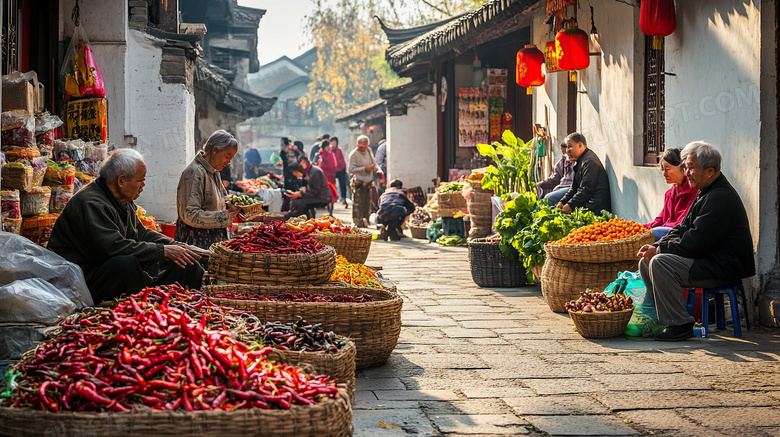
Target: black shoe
point(675, 333)
point(395, 234)
point(383, 233)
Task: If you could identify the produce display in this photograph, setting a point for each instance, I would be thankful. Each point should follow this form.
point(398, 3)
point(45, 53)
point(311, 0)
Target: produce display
point(243, 200)
point(452, 187)
point(252, 186)
point(354, 274)
point(199, 307)
point(296, 296)
point(420, 217)
point(298, 336)
point(614, 229)
point(323, 225)
point(595, 301)
point(275, 237)
point(450, 240)
point(148, 354)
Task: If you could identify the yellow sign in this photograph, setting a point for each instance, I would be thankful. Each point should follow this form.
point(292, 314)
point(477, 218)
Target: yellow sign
point(86, 120)
point(551, 57)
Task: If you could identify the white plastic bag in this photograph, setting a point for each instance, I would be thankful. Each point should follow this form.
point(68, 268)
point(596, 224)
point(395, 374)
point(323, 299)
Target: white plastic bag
point(20, 259)
point(33, 300)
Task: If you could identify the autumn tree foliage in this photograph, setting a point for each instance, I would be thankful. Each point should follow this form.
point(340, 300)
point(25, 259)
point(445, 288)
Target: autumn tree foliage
point(350, 68)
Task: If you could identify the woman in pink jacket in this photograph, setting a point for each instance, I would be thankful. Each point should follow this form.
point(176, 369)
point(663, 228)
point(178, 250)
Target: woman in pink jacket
point(327, 162)
point(677, 200)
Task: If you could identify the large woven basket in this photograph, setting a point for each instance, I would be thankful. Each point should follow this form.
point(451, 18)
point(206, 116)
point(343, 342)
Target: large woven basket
point(331, 418)
point(353, 247)
point(490, 268)
point(601, 324)
point(563, 281)
point(454, 201)
point(418, 231)
point(373, 326)
point(270, 268)
point(600, 251)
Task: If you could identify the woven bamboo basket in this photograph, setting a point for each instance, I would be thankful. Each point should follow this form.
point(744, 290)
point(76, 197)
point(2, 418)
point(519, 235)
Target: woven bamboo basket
point(418, 231)
point(373, 326)
point(332, 418)
point(251, 211)
point(601, 324)
point(17, 178)
point(490, 268)
point(537, 271)
point(476, 187)
point(600, 251)
point(434, 213)
point(563, 281)
point(353, 247)
point(454, 201)
point(270, 268)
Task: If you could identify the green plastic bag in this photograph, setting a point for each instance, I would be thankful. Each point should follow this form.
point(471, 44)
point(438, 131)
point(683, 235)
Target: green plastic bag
point(644, 320)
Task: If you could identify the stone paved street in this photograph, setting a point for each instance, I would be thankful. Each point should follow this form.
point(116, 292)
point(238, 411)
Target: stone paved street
point(473, 361)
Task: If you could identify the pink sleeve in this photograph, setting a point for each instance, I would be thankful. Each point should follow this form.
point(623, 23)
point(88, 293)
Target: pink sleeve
point(682, 206)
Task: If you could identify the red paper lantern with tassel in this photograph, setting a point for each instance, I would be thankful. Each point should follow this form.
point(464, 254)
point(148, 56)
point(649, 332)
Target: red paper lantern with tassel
point(657, 18)
point(571, 45)
point(528, 68)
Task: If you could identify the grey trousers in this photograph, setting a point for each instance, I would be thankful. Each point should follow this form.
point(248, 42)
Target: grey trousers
point(665, 275)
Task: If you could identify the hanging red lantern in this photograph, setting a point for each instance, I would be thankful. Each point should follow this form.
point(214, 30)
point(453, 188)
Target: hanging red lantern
point(528, 67)
point(571, 45)
point(657, 18)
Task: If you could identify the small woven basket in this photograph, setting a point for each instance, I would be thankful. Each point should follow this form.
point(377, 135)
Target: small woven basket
point(600, 251)
point(271, 268)
point(332, 418)
point(353, 247)
point(251, 211)
point(490, 268)
point(373, 326)
point(418, 231)
point(601, 324)
point(563, 281)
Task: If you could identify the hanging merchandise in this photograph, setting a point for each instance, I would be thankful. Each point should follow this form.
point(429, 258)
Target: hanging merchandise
point(657, 18)
point(558, 9)
point(529, 68)
point(79, 75)
point(551, 57)
point(571, 45)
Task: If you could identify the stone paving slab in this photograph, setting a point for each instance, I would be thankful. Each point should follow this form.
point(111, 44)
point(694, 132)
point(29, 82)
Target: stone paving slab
point(468, 333)
point(416, 395)
point(379, 384)
point(471, 406)
point(556, 386)
point(675, 381)
point(496, 424)
point(581, 425)
point(651, 400)
point(555, 405)
point(735, 417)
point(399, 422)
point(496, 392)
point(446, 361)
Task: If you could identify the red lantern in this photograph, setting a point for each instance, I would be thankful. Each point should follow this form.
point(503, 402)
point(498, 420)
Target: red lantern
point(528, 67)
point(657, 18)
point(571, 45)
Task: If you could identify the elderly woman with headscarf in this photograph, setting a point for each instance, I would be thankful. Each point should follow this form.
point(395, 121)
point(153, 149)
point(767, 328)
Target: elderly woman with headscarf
point(252, 163)
point(201, 197)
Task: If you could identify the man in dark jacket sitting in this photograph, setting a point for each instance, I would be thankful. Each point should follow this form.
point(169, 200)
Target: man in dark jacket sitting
point(100, 231)
point(590, 187)
point(394, 208)
point(316, 194)
point(712, 246)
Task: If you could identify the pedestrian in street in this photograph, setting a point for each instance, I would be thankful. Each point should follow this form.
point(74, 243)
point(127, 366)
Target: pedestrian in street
point(316, 193)
point(394, 209)
point(201, 196)
point(712, 246)
point(362, 166)
point(555, 187)
point(678, 199)
point(590, 186)
point(327, 162)
point(100, 232)
point(316, 147)
point(381, 162)
point(341, 169)
point(252, 163)
point(298, 148)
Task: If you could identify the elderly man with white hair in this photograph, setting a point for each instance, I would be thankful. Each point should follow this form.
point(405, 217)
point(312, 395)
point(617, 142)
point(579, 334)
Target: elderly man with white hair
point(361, 165)
point(711, 247)
point(100, 231)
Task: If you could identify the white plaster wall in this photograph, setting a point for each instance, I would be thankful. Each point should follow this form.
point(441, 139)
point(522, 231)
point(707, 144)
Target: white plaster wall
point(162, 118)
point(411, 150)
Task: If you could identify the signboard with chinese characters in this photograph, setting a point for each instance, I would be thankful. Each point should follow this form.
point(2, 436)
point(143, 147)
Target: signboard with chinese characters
point(86, 119)
point(551, 57)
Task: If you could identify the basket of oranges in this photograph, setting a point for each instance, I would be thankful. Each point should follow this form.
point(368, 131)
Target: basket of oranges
point(601, 242)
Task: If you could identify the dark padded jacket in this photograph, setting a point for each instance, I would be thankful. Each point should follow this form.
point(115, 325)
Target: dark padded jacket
point(716, 234)
point(590, 187)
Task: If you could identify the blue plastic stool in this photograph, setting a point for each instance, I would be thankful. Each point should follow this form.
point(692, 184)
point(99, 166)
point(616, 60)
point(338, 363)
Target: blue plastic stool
point(720, 311)
point(453, 226)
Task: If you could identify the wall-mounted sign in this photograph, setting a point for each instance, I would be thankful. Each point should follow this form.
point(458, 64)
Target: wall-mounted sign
point(551, 57)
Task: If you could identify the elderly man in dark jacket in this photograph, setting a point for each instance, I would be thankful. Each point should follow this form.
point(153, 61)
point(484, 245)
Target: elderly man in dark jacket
point(590, 187)
point(100, 231)
point(712, 246)
point(316, 194)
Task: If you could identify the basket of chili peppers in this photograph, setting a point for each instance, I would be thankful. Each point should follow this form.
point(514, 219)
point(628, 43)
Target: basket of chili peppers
point(370, 317)
point(146, 368)
point(272, 254)
point(302, 343)
point(349, 241)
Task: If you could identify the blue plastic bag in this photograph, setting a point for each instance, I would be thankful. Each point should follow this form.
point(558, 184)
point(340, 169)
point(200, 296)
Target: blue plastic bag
point(644, 320)
point(434, 231)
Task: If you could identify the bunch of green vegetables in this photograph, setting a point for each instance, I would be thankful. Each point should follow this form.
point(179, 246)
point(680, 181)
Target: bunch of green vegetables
point(450, 240)
point(452, 187)
point(510, 174)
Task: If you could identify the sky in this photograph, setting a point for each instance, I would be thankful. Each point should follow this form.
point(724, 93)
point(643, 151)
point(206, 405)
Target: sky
point(281, 29)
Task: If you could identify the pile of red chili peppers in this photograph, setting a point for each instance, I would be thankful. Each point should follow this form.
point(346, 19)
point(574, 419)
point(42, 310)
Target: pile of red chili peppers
point(297, 296)
point(275, 237)
point(298, 336)
point(147, 353)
